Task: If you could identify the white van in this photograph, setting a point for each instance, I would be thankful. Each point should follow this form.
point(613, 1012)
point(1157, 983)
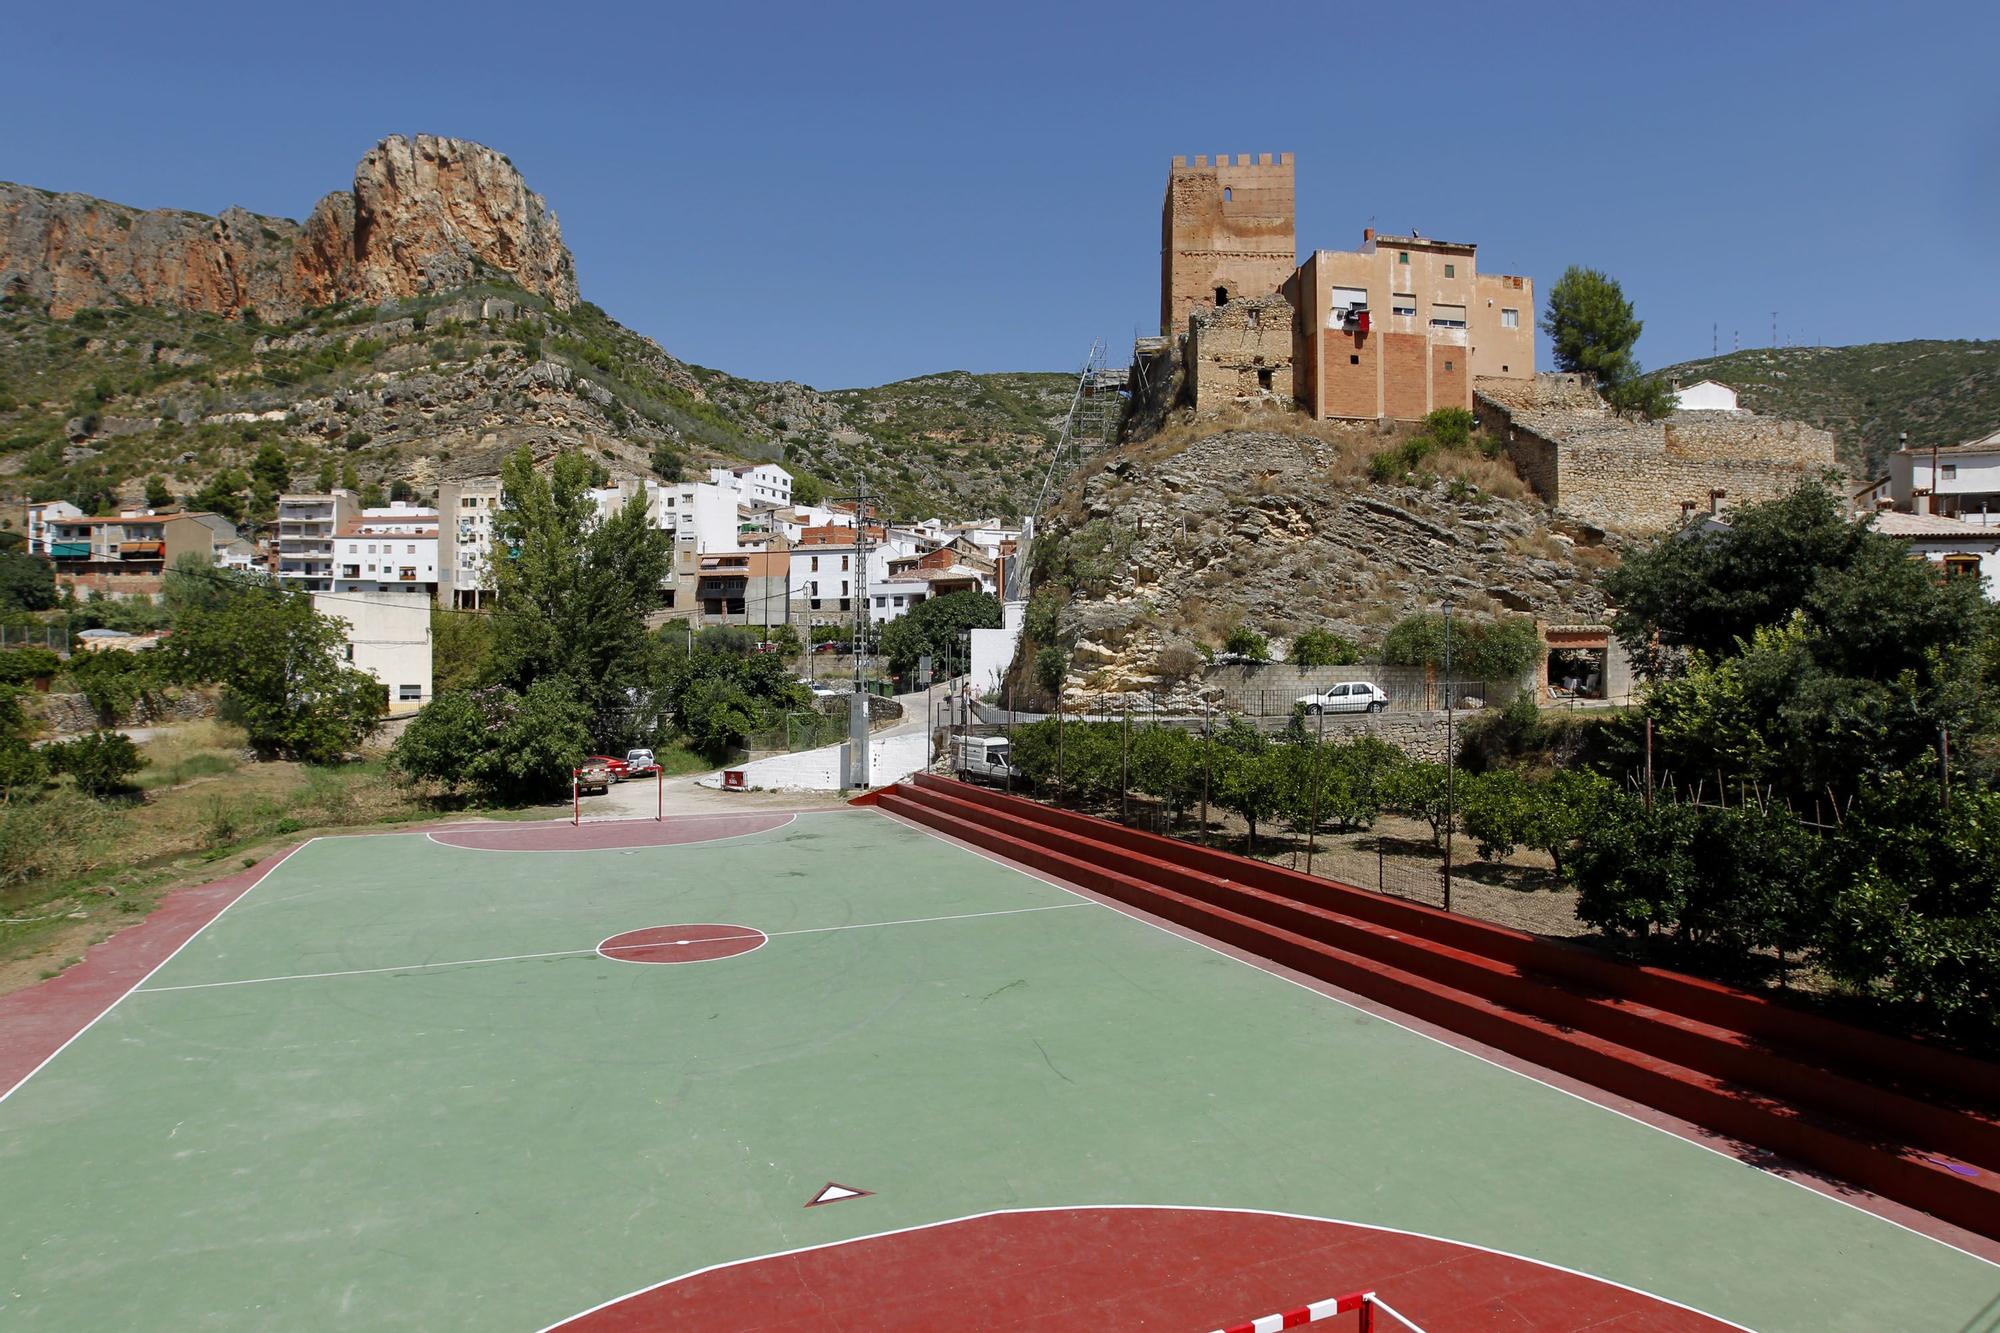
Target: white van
point(984, 759)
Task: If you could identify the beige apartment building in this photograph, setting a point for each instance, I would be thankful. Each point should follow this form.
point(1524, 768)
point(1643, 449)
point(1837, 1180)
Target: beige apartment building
point(1404, 325)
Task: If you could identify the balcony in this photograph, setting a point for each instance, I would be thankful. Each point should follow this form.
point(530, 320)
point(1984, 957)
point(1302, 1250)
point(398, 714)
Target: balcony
point(69, 550)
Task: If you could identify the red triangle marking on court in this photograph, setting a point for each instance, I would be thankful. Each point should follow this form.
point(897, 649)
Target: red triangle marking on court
point(836, 1194)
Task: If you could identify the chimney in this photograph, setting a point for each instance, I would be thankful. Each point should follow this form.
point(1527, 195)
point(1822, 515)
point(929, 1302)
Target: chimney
point(1367, 235)
point(1715, 500)
point(1922, 498)
point(1687, 507)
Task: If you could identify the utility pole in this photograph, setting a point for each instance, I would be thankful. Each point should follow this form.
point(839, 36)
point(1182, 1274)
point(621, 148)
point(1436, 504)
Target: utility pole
point(1319, 757)
point(1451, 765)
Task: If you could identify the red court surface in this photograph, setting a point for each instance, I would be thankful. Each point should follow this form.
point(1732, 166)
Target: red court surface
point(682, 944)
point(609, 834)
point(1133, 1268)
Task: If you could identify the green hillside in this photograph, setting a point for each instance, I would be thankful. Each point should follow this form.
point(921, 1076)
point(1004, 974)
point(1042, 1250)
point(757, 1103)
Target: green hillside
point(413, 391)
point(1939, 392)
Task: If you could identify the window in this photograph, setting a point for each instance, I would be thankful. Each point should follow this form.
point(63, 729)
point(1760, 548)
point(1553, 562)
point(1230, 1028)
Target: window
point(1222, 296)
point(1402, 256)
point(347, 652)
point(1447, 316)
point(350, 571)
point(1451, 270)
point(1447, 367)
point(407, 692)
point(1228, 195)
point(1353, 360)
point(371, 548)
point(815, 564)
point(1949, 471)
point(412, 549)
point(1264, 378)
point(843, 562)
point(1510, 319)
point(1256, 318)
point(1404, 303)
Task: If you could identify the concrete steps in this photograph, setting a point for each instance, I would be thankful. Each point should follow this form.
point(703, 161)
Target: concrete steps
point(1911, 1122)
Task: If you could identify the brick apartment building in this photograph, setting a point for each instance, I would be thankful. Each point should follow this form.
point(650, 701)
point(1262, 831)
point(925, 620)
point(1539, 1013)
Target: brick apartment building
point(1399, 327)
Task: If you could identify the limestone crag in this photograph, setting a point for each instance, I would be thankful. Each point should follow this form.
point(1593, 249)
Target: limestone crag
point(1267, 529)
point(428, 214)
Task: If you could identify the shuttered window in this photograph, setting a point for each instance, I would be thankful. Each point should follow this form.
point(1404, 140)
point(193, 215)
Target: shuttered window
point(1448, 316)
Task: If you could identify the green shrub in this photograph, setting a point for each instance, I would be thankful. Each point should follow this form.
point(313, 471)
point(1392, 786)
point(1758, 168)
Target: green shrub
point(26, 664)
point(1246, 642)
point(99, 763)
point(1323, 648)
point(23, 770)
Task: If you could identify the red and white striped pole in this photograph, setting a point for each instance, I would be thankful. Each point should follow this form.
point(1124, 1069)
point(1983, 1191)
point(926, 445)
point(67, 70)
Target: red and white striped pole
point(575, 801)
point(1310, 1314)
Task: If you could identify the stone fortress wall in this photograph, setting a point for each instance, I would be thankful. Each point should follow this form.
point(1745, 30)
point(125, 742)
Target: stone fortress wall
point(1596, 467)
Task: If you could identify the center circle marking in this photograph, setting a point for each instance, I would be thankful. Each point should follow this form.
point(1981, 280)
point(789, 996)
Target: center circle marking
point(682, 944)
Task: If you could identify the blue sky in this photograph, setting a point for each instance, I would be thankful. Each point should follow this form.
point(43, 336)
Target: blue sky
point(854, 193)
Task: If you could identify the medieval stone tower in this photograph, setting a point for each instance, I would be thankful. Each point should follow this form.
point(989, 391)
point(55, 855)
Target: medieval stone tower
point(1227, 230)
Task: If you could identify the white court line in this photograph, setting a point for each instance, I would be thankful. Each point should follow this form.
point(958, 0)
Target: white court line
point(269, 871)
point(1143, 1207)
point(572, 953)
point(790, 819)
point(1518, 1073)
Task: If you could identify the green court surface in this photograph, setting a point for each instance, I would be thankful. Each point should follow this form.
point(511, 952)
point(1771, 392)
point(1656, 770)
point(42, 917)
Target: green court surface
point(353, 1140)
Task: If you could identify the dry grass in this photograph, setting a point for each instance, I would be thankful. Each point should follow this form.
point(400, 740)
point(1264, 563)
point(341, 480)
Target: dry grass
point(1595, 560)
point(1495, 476)
point(205, 810)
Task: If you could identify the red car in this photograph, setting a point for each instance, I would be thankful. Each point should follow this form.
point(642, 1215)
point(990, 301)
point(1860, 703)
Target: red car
point(620, 770)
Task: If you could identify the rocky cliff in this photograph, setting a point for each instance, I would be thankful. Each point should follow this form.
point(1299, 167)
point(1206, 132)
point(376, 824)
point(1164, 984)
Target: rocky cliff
point(425, 215)
point(1156, 554)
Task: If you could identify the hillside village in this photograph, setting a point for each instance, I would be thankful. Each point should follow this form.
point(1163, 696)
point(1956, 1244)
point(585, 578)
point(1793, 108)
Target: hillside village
point(1390, 332)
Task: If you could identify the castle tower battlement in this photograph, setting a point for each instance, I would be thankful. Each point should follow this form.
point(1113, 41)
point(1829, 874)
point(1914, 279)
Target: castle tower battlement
point(1228, 229)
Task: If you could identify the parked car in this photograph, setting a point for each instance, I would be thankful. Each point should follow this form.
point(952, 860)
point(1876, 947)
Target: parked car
point(640, 764)
point(1352, 696)
point(984, 759)
point(593, 776)
point(616, 766)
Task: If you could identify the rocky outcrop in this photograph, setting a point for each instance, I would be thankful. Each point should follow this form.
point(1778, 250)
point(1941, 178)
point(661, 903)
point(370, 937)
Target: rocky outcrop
point(428, 214)
point(1283, 533)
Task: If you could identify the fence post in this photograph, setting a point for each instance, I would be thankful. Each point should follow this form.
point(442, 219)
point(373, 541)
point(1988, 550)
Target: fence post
point(1125, 766)
point(1207, 748)
point(1380, 858)
point(1063, 791)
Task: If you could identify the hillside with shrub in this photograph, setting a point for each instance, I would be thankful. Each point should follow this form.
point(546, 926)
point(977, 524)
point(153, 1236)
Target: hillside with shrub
point(1941, 392)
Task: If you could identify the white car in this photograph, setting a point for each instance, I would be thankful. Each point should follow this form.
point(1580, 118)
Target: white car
point(1352, 696)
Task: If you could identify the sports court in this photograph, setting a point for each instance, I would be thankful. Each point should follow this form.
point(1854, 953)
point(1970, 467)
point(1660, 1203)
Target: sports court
point(829, 1071)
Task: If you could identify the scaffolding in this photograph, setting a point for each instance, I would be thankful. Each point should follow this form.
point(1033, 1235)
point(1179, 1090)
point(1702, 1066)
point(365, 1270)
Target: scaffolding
point(1096, 410)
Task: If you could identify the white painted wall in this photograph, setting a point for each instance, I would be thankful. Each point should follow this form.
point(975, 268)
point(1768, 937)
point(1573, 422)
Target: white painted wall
point(1966, 475)
point(992, 650)
point(1705, 396)
point(389, 637)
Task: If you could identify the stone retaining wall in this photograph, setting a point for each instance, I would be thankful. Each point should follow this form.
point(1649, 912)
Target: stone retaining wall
point(71, 714)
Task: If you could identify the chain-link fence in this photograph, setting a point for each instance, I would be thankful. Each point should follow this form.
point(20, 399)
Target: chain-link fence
point(52, 637)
